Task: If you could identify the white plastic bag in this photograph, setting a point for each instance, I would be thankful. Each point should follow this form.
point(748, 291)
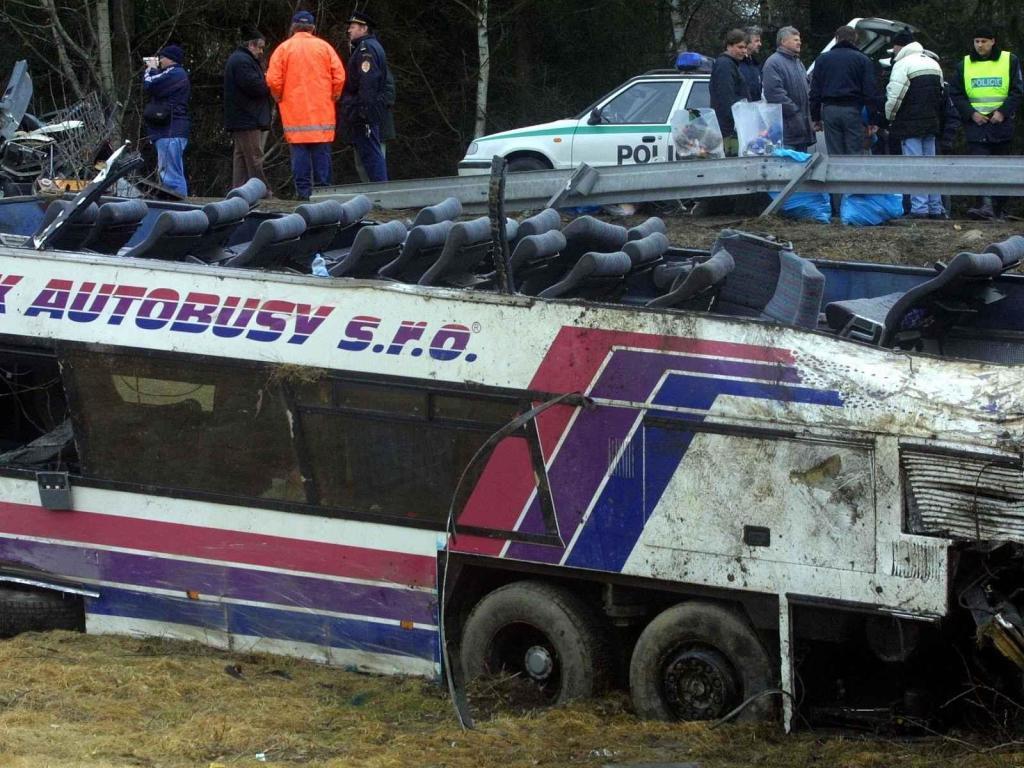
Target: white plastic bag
point(695, 134)
point(758, 127)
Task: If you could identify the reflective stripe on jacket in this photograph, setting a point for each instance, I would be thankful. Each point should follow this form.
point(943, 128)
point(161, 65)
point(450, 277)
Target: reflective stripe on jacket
point(987, 82)
point(306, 77)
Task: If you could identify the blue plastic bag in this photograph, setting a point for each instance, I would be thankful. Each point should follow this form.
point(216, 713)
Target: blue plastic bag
point(870, 210)
point(803, 206)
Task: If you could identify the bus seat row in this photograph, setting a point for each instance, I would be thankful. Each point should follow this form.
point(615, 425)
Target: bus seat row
point(957, 291)
point(97, 228)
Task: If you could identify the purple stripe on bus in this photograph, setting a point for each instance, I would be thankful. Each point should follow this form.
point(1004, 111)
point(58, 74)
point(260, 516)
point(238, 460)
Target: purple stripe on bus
point(288, 590)
point(575, 475)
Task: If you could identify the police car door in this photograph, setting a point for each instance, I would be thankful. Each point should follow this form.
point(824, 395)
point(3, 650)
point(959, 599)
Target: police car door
point(630, 127)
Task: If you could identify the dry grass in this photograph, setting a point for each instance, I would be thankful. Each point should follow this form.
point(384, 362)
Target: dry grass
point(76, 700)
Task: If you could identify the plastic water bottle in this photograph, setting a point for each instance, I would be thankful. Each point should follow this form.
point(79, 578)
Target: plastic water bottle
point(319, 266)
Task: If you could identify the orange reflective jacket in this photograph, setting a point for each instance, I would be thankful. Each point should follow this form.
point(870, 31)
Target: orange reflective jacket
point(306, 76)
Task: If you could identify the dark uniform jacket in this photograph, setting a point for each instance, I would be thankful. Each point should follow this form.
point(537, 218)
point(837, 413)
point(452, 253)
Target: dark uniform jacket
point(844, 76)
point(751, 72)
point(170, 89)
point(246, 95)
point(364, 99)
point(991, 133)
point(727, 87)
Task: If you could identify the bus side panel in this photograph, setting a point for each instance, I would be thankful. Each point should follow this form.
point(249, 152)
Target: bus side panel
point(233, 577)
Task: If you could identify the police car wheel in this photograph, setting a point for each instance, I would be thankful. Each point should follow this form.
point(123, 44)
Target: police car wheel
point(527, 164)
point(697, 661)
point(541, 642)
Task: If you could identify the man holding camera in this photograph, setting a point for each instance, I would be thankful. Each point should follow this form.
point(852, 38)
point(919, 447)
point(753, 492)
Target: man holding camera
point(166, 85)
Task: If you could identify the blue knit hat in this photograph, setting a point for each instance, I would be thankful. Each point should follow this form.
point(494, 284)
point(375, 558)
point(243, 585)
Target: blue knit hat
point(173, 52)
point(303, 17)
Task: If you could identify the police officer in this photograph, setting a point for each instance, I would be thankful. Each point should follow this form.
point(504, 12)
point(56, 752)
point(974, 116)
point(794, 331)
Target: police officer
point(364, 101)
point(987, 91)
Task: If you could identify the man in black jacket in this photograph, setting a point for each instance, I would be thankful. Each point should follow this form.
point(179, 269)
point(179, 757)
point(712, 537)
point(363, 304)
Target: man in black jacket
point(727, 84)
point(987, 91)
point(364, 101)
point(247, 108)
point(842, 85)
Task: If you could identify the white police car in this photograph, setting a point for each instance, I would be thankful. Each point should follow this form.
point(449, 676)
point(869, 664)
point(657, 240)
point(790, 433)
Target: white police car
point(629, 125)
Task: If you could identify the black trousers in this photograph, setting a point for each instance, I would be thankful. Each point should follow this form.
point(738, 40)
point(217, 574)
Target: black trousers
point(987, 149)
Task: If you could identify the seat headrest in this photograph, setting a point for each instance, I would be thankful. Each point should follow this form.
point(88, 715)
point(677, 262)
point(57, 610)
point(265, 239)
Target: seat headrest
point(428, 235)
point(287, 227)
point(649, 227)
point(540, 223)
point(382, 235)
point(122, 212)
point(183, 222)
point(222, 211)
point(325, 212)
point(596, 235)
point(252, 191)
point(1011, 250)
point(446, 210)
point(646, 249)
point(355, 209)
point(534, 247)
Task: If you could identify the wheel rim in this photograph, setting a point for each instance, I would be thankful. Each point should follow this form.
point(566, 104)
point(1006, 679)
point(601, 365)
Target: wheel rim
point(528, 653)
point(699, 684)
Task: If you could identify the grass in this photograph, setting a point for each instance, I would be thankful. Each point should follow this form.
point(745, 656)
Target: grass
point(74, 700)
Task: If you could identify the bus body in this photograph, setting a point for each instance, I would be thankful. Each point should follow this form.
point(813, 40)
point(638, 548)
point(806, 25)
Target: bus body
point(283, 463)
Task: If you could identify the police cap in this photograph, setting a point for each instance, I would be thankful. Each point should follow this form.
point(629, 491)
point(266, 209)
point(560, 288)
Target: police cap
point(361, 17)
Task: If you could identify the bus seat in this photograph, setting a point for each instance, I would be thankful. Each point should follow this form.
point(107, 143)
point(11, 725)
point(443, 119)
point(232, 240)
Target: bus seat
point(797, 297)
point(274, 242)
point(467, 245)
point(114, 226)
point(698, 285)
point(446, 210)
point(71, 234)
point(422, 246)
point(887, 320)
point(649, 227)
point(373, 247)
point(172, 237)
point(224, 217)
point(252, 192)
point(592, 276)
point(323, 222)
point(582, 235)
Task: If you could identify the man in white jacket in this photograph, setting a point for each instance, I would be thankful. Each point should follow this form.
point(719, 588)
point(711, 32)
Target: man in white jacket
point(914, 103)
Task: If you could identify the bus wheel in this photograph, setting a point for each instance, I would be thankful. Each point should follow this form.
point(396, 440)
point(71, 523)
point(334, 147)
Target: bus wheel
point(30, 610)
point(698, 661)
point(543, 635)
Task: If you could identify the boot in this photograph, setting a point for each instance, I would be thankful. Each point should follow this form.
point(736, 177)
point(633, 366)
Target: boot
point(983, 211)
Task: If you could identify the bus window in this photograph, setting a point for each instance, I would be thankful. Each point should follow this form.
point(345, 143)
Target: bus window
point(35, 431)
point(196, 426)
point(397, 452)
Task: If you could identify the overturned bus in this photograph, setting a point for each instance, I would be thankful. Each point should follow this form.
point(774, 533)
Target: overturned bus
point(736, 481)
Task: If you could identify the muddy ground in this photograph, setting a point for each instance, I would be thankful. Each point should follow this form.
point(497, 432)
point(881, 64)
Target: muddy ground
point(68, 700)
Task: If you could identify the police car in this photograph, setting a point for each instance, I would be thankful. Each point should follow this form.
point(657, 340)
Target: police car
point(629, 125)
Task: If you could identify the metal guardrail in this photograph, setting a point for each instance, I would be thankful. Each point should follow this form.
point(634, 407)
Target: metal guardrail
point(944, 175)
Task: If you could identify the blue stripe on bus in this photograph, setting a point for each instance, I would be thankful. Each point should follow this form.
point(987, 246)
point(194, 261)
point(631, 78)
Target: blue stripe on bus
point(626, 503)
point(294, 626)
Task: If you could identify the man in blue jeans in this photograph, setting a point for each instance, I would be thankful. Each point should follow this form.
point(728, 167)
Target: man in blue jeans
point(166, 85)
point(914, 103)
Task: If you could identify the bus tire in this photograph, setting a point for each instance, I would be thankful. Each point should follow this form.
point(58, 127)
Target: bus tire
point(32, 610)
point(527, 164)
point(698, 661)
point(542, 632)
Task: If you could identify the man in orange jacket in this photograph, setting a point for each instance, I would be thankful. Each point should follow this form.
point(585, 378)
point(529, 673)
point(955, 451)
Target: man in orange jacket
point(306, 77)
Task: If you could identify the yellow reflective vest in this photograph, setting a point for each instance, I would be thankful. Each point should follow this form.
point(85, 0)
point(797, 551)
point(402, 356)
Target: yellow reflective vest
point(987, 83)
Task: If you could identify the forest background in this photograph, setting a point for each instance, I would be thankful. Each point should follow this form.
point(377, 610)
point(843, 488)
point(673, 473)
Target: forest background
point(462, 67)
